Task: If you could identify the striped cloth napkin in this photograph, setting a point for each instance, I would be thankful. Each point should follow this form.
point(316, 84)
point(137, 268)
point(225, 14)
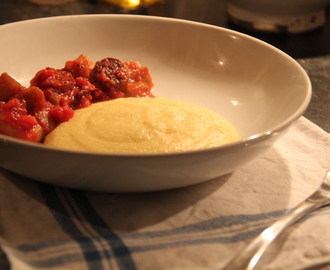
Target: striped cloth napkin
point(197, 227)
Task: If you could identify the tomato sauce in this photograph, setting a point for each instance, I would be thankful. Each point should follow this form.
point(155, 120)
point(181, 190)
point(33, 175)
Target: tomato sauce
point(30, 113)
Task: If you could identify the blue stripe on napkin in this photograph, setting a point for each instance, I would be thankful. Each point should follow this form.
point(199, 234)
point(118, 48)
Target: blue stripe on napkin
point(92, 234)
point(214, 224)
point(120, 251)
point(53, 261)
point(91, 255)
point(94, 243)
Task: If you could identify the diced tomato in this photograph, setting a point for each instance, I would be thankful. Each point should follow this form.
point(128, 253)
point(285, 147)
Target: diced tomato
point(15, 122)
point(13, 109)
point(61, 114)
point(26, 122)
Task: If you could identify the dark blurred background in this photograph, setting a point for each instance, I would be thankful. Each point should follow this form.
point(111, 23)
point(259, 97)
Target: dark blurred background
point(310, 44)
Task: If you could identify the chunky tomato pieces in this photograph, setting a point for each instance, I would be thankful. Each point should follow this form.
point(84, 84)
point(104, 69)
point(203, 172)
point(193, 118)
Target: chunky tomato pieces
point(54, 94)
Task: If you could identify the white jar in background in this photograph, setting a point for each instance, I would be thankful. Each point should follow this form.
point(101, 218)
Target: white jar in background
point(289, 16)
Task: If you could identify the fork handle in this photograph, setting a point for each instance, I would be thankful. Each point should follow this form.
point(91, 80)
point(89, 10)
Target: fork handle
point(249, 256)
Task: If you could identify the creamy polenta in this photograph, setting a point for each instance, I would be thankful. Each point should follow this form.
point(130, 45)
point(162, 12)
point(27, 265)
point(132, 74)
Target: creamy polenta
point(142, 125)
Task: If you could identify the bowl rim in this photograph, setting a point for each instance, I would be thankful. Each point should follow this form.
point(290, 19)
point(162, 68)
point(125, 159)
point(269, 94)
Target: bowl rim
point(253, 139)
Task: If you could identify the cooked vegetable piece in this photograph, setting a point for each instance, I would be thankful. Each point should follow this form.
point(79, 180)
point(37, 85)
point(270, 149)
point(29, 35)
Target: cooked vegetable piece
point(17, 123)
point(9, 87)
point(80, 67)
point(140, 82)
point(34, 98)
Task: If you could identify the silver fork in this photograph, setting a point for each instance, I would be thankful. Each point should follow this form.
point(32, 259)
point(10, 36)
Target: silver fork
point(249, 256)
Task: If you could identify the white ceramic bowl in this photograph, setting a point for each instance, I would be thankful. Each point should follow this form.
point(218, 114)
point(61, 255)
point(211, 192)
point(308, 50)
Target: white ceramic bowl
point(258, 88)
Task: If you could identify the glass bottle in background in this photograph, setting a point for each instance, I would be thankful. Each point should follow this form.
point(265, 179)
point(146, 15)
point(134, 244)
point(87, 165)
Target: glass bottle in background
point(133, 4)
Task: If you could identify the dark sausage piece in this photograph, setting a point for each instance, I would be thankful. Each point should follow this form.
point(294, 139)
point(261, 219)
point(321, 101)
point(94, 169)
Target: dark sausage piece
point(60, 80)
point(110, 74)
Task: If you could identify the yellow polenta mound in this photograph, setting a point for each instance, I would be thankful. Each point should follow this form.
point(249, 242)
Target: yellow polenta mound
point(142, 125)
